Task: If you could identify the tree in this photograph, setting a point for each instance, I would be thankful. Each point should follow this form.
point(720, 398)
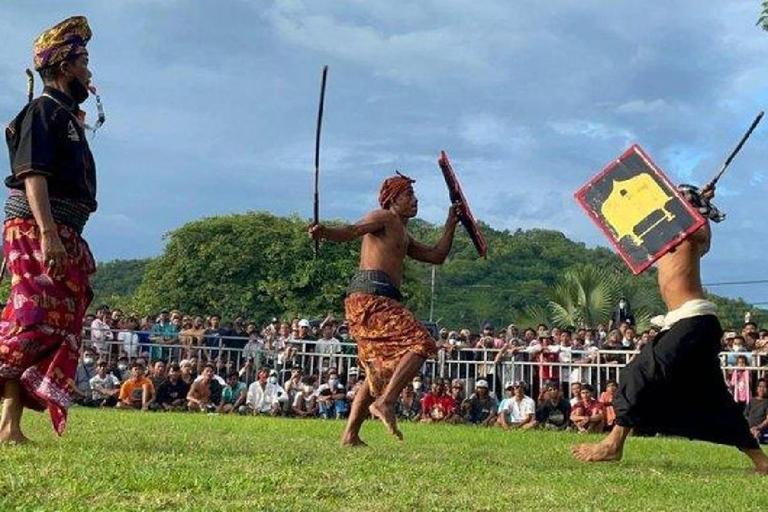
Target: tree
point(763, 20)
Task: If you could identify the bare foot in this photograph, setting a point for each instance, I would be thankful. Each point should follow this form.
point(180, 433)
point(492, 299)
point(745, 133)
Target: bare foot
point(353, 441)
point(387, 415)
point(13, 437)
point(599, 452)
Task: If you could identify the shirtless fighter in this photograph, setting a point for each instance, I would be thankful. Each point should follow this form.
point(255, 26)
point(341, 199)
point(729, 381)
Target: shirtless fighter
point(682, 360)
point(392, 344)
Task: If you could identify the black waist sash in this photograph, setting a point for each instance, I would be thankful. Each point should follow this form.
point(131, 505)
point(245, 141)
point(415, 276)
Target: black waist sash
point(63, 211)
point(374, 282)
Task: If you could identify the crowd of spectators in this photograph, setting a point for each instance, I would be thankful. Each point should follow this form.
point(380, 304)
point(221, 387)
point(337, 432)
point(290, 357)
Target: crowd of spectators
point(175, 362)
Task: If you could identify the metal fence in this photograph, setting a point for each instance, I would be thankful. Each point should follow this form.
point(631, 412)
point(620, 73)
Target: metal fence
point(595, 367)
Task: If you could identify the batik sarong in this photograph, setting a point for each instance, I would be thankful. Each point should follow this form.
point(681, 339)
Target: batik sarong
point(41, 325)
point(385, 331)
point(675, 386)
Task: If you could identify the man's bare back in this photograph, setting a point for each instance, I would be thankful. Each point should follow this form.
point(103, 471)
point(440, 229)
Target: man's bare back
point(680, 271)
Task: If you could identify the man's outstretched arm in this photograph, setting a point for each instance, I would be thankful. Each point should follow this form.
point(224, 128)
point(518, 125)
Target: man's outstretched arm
point(371, 223)
point(437, 254)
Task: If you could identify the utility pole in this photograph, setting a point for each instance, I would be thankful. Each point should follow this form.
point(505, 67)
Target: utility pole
point(432, 296)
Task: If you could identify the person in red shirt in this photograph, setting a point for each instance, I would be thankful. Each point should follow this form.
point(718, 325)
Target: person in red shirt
point(547, 372)
point(437, 405)
point(588, 415)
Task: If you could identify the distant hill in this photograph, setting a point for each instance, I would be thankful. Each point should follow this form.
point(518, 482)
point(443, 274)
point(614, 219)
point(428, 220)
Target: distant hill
point(259, 265)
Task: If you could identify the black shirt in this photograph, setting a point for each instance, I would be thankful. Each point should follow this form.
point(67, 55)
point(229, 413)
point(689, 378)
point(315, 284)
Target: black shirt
point(46, 138)
point(168, 391)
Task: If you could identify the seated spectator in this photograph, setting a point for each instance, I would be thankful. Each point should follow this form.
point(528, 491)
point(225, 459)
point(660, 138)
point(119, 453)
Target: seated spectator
point(104, 387)
point(480, 408)
point(408, 406)
point(606, 398)
point(86, 370)
point(757, 412)
point(123, 369)
point(437, 406)
point(457, 391)
point(158, 373)
point(418, 388)
point(248, 372)
point(186, 372)
point(305, 403)
point(205, 392)
point(233, 396)
point(293, 385)
point(553, 411)
point(517, 410)
point(575, 393)
point(136, 392)
point(588, 414)
point(332, 398)
point(173, 391)
point(264, 397)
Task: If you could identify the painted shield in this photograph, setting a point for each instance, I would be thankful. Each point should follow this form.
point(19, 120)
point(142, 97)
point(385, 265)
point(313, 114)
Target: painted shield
point(456, 194)
point(638, 209)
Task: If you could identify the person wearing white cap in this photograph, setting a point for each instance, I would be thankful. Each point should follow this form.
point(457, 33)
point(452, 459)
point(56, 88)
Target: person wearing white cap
point(480, 408)
point(517, 410)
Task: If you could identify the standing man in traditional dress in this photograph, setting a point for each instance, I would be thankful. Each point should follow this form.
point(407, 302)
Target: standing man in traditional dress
point(53, 192)
point(392, 344)
point(684, 356)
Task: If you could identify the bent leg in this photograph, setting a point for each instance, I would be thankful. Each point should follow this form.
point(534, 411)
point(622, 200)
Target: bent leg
point(384, 407)
point(357, 415)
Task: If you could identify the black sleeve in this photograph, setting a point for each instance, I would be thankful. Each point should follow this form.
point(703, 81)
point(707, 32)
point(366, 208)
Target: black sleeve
point(36, 143)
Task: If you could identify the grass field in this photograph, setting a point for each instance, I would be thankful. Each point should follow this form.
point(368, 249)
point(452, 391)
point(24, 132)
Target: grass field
point(120, 460)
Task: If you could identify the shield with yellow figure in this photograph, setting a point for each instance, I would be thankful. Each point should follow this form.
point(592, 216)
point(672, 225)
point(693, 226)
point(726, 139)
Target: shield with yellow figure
point(638, 208)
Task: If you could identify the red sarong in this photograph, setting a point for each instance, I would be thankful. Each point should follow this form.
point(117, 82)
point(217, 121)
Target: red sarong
point(385, 331)
point(41, 325)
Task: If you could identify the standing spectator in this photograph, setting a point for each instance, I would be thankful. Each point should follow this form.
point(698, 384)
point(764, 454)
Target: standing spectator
point(552, 411)
point(739, 382)
point(623, 314)
point(437, 406)
point(104, 387)
point(305, 403)
point(545, 358)
point(480, 408)
point(233, 396)
point(214, 336)
point(757, 412)
point(518, 410)
point(192, 338)
point(205, 394)
point(101, 332)
point(628, 341)
point(737, 347)
point(332, 398)
point(606, 398)
point(136, 392)
point(255, 345)
point(127, 336)
point(588, 414)
point(265, 397)
point(328, 347)
point(172, 393)
point(163, 333)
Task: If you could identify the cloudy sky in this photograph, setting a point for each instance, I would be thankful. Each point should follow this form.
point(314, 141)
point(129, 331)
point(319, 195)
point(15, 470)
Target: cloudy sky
point(211, 108)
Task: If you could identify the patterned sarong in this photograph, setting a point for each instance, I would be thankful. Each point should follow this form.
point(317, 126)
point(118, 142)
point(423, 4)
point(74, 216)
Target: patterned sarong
point(385, 331)
point(41, 325)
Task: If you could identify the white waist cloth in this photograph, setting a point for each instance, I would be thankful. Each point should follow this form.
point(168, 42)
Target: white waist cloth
point(696, 307)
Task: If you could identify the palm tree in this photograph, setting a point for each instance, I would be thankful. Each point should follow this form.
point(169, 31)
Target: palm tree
point(585, 297)
point(762, 22)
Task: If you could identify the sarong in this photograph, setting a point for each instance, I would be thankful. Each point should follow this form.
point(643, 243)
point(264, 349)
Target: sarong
point(675, 386)
point(385, 331)
point(41, 325)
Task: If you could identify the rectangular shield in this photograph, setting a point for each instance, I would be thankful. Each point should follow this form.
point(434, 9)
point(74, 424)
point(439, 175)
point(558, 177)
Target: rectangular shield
point(638, 209)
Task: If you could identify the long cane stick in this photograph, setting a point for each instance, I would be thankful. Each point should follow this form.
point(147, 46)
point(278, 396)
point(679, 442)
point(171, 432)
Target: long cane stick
point(317, 153)
point(735, 152)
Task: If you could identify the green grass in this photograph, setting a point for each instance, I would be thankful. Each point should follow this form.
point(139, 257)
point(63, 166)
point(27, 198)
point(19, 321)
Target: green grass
point(121, 460)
